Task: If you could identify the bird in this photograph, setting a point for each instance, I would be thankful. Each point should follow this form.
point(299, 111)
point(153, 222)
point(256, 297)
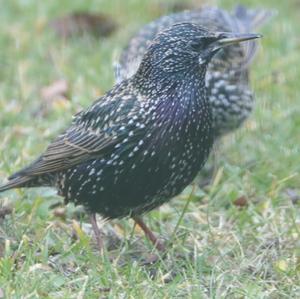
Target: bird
point(142, 142)
point(227, 79)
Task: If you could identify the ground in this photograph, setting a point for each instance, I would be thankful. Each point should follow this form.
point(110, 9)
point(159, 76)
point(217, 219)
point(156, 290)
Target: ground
point(236, 238)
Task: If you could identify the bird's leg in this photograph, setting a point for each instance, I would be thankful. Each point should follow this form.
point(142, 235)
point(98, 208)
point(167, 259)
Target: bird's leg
point(96, 232)
point(149, 234)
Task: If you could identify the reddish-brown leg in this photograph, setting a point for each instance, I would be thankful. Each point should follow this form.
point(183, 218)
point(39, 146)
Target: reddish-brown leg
point(96, 231)
point(149, 234)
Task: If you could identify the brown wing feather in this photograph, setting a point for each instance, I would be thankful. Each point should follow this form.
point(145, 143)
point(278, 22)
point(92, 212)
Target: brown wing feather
point(68, 150)
point(92, 134)
point(86, 138)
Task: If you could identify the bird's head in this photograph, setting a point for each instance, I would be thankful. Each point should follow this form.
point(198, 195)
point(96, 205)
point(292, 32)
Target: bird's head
point(186, 46)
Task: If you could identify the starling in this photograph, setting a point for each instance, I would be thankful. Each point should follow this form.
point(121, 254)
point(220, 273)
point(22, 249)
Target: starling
point(227, 83)
point(145, 140)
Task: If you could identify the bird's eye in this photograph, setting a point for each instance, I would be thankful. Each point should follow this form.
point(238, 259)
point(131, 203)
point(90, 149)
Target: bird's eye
point(201, 44)
point(196, 46)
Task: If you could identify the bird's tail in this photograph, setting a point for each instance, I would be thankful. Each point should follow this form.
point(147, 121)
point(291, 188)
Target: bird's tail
point(17, 182)
point(22, 180)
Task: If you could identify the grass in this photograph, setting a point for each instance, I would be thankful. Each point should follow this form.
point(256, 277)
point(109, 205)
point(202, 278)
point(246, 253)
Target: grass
point(219, 250)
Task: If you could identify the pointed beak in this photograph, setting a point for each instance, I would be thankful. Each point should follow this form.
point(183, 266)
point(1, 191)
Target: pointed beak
point(226, 39)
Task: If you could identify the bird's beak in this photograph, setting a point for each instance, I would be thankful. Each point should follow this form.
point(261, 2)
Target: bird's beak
point(226, 39)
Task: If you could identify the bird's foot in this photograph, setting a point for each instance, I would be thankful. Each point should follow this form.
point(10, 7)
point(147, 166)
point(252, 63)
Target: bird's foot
point(150, 259)
point(158, 244)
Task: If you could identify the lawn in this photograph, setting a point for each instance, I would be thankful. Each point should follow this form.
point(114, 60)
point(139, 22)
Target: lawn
point(237, 238)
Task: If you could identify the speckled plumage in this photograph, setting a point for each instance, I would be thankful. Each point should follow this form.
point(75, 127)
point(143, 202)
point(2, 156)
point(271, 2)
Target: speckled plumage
point(144, 140)
point(227, 78)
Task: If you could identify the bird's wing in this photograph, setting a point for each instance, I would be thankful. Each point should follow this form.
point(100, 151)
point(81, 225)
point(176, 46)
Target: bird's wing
point(73, 147)
point(93, 133)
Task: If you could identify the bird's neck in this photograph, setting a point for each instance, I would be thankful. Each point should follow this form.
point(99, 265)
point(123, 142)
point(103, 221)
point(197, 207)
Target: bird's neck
point(157, 82)
point(180, 102)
